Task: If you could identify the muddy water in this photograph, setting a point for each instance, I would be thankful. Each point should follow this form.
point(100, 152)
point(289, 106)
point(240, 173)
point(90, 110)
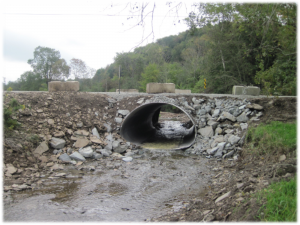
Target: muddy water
point(154, 183)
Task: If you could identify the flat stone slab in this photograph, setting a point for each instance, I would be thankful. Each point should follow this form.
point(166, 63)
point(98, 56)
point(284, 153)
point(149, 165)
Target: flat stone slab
point(43, 147)
point(81, 142)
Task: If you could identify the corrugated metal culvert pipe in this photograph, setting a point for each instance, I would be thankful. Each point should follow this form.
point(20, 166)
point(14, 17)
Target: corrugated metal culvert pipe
point(142, 127)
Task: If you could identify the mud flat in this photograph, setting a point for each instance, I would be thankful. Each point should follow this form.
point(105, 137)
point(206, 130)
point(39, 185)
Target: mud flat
point(153, 184)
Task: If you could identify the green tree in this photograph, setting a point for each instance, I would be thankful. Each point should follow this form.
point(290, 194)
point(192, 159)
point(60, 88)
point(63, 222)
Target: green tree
point(48, 64)
point(30, 81)
point(150, 75)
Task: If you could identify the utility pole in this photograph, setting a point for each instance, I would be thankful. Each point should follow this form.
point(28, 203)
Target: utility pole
point(119, 78)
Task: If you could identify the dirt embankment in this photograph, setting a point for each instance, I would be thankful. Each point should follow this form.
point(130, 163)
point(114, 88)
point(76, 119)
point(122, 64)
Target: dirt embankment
point(60, 114)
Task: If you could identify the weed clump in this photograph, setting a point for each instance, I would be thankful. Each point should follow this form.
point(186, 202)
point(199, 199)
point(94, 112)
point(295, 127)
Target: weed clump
point(8, 112)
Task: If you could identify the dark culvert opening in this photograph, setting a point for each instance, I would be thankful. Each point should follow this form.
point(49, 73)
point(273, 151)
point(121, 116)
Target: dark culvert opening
point(146, 126)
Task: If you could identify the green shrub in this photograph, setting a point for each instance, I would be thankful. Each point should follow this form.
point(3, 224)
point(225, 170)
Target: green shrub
point(8, 111)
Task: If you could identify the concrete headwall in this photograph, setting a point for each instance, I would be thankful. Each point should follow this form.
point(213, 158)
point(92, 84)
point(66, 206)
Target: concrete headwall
point(160, 88)
point(63, 86)
point(245, 90)
point(127, 90)
point(180, 91)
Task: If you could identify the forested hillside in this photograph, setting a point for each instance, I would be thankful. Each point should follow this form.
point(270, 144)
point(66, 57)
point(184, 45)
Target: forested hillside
point(226, 44)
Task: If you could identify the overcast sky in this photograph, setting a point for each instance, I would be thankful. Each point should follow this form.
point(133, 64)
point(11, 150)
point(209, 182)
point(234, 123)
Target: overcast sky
point(93, 31)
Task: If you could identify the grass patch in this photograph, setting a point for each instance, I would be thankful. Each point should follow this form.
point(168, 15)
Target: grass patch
point(281, 202)
point(272, 138)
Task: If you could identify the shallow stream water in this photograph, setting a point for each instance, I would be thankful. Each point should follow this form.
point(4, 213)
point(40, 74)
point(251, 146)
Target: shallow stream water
point(154, 183)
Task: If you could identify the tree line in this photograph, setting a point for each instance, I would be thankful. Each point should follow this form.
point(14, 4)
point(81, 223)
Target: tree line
point(226, 44)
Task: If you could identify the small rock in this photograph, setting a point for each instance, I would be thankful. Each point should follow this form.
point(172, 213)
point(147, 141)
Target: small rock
point(55, 152)
point(118, 120)
point(43, 147)
point(65, 157)
point(243, 118)
point(77, 156)
point(97, 155)
point(239, 185)
point(140, 101)
point(240, 199)
point(233, 139)
point(212, 151)
point(59, 134)
point(57, 167)
point(227, 115)
point(117, 155)
point(60, 175)
point(95, 132)
point(223, 197)
point(127, 159)
point(206, 131)
point(104, 152)
point(50, 121)
point(218, 130)
point(282, 158)
point(10, 169)
point(244, 126)
point(108, 127)
point(50, 164)
point(81, 133)
point(96, 140)
point(79, 124)
point(57, 143)
point(123, 112)
point(81, 142)
point(109, 146)
point(229, 154)
point(86, 152)
point(209, 218)
point(254, 106)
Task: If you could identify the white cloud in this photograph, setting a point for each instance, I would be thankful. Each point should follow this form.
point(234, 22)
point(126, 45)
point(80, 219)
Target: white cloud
point(78, 29)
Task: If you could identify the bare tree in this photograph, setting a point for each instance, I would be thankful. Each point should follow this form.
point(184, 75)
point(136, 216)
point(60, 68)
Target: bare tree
point(144, 14)
point(79, 69)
